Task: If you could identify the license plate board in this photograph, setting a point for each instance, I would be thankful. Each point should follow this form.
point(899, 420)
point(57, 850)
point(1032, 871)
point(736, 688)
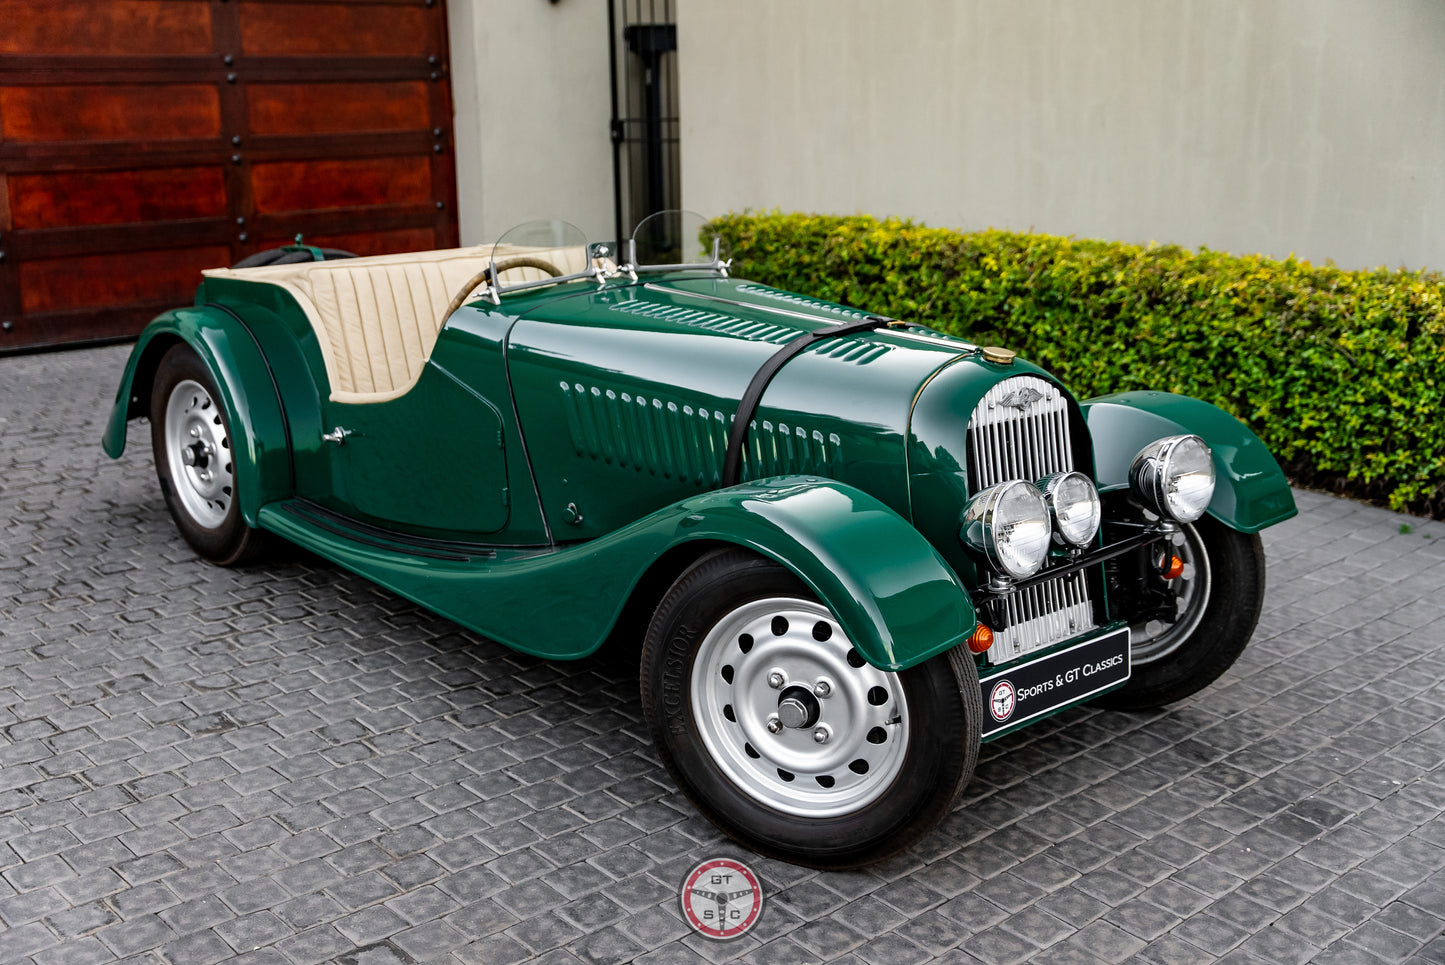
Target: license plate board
point(1029, 690)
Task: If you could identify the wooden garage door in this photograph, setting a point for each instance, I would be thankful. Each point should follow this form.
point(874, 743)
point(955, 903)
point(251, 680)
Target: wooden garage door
point(144, 140)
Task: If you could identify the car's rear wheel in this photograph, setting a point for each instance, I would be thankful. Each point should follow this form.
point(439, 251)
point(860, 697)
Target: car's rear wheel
point(1215, 605)
point(192, 442)
point(783, 736)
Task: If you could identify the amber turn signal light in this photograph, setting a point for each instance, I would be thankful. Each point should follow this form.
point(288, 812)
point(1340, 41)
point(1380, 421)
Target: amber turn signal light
point(981, 639)
point(1173, 567)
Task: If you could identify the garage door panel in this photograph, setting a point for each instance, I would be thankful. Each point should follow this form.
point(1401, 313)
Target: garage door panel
point(328, 222)
point(122, 112)
point(369, 242)
point(88, 27)
point(310, 185)
point(324, 30)
point(144, 140)
point(58, 284)
point(59, 328)
point(80, 240)
point(337, 108)
point(72, 198)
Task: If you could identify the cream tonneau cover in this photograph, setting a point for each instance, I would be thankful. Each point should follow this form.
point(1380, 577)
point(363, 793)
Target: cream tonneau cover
point(377, 318)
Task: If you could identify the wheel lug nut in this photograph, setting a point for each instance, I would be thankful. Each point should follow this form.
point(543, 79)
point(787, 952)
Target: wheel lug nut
point(776, 680)
point(823, 688)
point(821, 734)
point(774, 725)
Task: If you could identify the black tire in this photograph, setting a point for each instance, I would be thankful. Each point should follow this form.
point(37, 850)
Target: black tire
point(917, 780)
point(210, 521)
point(1226, 616)
point(280, 256)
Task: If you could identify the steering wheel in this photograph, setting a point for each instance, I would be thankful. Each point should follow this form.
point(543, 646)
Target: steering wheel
point(506, 264)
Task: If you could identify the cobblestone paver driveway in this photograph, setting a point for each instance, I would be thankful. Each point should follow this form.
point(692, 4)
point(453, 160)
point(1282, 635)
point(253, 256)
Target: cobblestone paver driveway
point(283, 764)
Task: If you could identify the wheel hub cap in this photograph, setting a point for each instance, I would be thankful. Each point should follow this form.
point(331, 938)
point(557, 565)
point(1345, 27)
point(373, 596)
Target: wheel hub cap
point(782, 745)
point(199, 453)
point(794, 709)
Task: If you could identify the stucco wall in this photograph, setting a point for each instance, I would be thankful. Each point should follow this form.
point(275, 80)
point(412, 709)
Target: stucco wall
point(532, 102)
point(1307, 126)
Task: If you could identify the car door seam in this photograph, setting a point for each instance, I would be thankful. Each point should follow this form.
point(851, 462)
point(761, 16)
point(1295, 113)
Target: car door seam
point(506, 342)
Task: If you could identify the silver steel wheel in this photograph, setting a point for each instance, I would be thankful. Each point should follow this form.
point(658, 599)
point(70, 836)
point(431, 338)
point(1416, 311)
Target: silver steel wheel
point(199, 454)
point(791, 713)
point(1154, 639)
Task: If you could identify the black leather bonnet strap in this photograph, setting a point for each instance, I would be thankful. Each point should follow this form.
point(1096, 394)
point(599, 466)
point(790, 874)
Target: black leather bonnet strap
point(748, 405)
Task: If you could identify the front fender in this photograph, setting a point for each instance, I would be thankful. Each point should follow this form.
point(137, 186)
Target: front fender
point(1250, 490)
point(892, 594)
point(895, 596)
point(258, 427)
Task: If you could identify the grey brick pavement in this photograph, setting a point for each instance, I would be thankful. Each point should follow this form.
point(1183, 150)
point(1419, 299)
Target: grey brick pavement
point(284, 764)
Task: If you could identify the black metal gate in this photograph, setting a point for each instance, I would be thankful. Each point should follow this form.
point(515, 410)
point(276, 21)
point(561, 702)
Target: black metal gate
point(646, 175)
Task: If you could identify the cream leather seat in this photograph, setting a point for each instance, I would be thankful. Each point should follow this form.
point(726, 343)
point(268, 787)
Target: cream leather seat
point(377, 319)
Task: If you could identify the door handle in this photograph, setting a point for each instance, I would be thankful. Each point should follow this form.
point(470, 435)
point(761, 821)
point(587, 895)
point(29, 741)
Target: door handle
point(337, 435)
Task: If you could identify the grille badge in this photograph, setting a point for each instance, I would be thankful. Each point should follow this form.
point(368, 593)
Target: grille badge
point(1021, 398)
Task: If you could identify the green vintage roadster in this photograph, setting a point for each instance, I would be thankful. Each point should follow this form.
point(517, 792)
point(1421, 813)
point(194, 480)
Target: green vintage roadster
point(851, 547)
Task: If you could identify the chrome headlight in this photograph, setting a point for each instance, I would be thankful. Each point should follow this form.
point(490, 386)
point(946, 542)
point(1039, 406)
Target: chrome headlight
point(1174, 477)
point(1009, 523)
point(1074, 502)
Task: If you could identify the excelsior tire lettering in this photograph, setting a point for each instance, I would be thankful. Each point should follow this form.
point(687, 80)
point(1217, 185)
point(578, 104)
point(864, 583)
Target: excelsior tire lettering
point(674, 693)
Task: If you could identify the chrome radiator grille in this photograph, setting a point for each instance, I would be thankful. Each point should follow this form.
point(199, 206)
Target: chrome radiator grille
point(1042, 615)
point(1020, 430)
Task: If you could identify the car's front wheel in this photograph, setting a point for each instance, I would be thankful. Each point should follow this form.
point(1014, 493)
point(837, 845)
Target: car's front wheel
point(1183, 642)
point(193, 446)
point(783, 736)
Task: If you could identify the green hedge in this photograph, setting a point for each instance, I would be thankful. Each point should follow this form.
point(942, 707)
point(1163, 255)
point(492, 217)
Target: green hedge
point(1340, 372)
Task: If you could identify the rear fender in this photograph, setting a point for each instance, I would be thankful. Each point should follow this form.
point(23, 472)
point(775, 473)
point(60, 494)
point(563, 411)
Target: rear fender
point(1250, 490)
point(258, 427)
